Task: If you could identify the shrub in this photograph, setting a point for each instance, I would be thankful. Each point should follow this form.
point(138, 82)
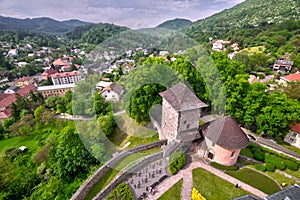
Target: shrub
point(291, 165)
point(276, 161)
point(258, 156)
point(270, 167)
point(196, 195)
point(246, 152)
point(122, 191)
point(260, 167)
point(176, 162)
point(225, 168)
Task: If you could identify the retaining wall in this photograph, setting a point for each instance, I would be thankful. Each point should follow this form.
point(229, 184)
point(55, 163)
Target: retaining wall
point(88, 185)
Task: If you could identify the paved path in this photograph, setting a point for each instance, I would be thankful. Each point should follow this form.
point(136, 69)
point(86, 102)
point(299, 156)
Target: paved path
point(186, 174)
point(272, 145)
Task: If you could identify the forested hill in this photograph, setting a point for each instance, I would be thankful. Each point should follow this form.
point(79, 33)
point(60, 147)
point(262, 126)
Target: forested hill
point(250, 13)
point(43, 24)
point(95, 33)
point(175, 24)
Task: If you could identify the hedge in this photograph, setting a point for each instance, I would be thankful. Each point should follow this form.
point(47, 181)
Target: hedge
point(270, 167)
point(276, 161)
point(258, 156)
point(176, 162)
point(260, 167)
point(291, 165)
point(122, 191)
point(225, 168)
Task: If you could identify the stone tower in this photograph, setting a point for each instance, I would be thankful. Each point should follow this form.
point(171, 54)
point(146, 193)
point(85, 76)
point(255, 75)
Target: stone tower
point(181, 111)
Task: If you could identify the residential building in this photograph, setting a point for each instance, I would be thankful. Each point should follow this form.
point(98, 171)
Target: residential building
point(12, 52)
point(24, 81)
point(65, 78)
point(55, 90)
point(283, 66)
point(47, 73)
point(6, 99)
point(289, 78)
point(293, 137)
point(112, 92)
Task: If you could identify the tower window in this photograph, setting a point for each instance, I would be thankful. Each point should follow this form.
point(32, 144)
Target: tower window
point(184, 122)
point(232, 154)
point(188, 126)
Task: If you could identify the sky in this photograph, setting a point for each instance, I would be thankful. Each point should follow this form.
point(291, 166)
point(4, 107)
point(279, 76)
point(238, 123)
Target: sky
point(131, 13)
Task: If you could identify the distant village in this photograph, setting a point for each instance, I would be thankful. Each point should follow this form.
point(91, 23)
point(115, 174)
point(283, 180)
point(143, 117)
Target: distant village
point(61, 74)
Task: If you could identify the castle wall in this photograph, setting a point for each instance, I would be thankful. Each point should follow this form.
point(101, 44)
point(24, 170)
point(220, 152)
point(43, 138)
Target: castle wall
point(169, 122)
point(189, 120)
point(224, 156)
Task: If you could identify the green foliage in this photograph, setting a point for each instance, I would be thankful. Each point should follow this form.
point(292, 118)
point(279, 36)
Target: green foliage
point(276, 161)
point(291, 165)
point(100, 32)
point(225, 168)
point(107, 123)
point(44, 24)
point(270, 167)
point(258, 156)
point(176, 162)
point(70, 157)
point(260, 167)
point(100, 105)
point(143, 99)
point(175, 24)
point(121, 192)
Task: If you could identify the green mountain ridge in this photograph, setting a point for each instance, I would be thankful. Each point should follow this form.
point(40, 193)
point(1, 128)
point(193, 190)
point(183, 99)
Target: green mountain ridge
point(175, 24)
point(250, 13)
point(43, 24)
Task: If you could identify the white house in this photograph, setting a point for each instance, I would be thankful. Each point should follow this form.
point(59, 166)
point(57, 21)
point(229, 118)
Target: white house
point(293, 137)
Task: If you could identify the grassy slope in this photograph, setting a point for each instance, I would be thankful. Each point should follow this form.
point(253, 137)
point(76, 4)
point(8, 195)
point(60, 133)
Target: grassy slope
point(256, 179)
point(214, 188)
point(173, 193)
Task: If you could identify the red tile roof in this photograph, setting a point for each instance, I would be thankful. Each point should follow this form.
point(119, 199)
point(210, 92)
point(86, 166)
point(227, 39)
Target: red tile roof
point(292, 77)
point(181, 98)
point(6, 102)
point(296, 128)
point(49, 72)
point(64, 74)
point(226, 133)
point(26, 90)
point(59, 62)
point(5, 113)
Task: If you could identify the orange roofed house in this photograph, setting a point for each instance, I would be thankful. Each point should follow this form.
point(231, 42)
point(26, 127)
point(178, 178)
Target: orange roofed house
point(6, 99)
point(218, 139)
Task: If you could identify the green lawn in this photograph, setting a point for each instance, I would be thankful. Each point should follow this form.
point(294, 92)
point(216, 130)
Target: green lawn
point(252, 50)
point(295, 174)
point(256, 179)
point(280, 178)
point(213, 187)
point(173, 193)
point(30, 142)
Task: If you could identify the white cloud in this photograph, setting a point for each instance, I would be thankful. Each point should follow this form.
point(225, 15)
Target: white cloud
point(131, 13)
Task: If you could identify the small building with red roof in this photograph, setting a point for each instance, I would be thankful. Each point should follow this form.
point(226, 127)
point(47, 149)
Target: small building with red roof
point(47, 73)
point(7, 99)
point(293, 137)
point(290, 78)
